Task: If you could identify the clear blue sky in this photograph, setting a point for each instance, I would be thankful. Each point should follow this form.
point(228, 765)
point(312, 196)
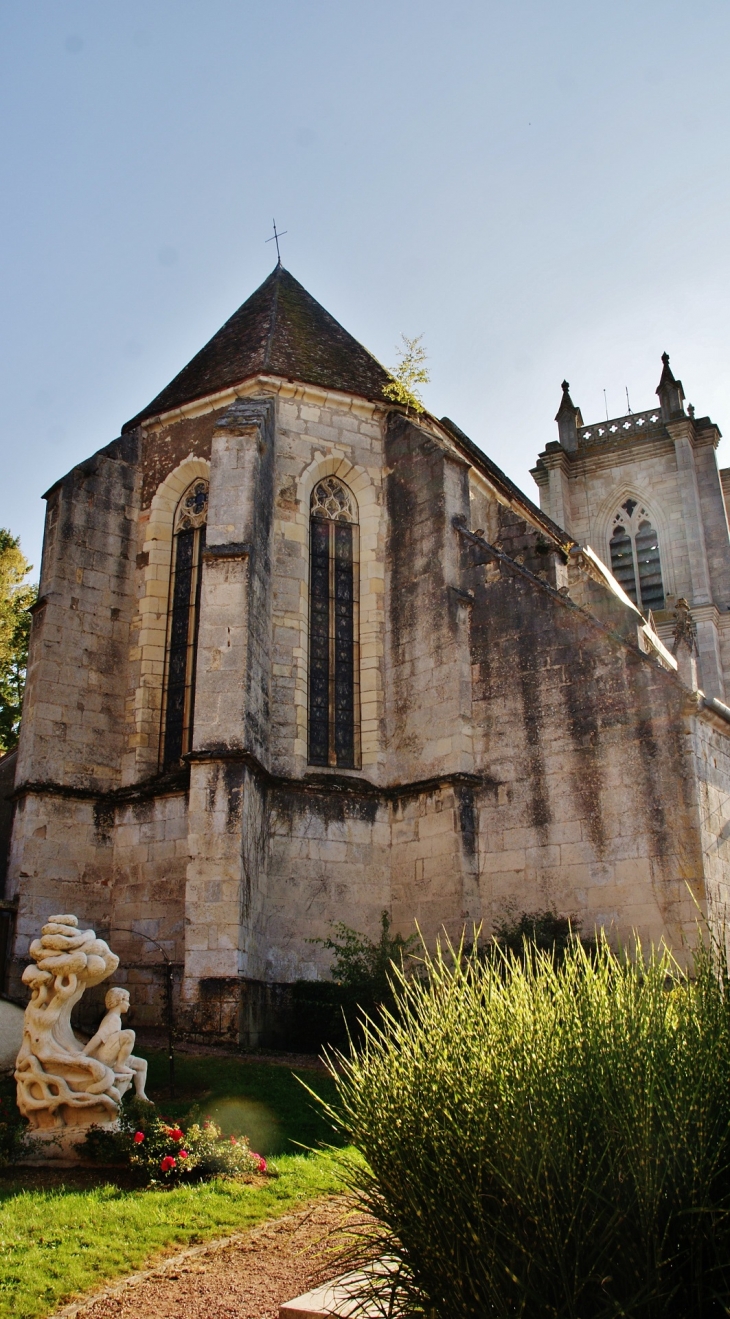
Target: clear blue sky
point(540, 187)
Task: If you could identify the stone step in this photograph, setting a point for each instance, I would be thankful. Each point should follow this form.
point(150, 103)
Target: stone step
point(341, 1298)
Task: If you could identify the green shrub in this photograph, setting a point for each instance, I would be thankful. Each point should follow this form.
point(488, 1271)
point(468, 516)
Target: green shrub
point(545, 930)
point(362, 964)
point(162, 1153)
point(550, 1138)
point(329, 1012)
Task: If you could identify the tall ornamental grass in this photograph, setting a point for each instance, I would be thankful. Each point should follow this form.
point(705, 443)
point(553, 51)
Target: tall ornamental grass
point(550, 1139)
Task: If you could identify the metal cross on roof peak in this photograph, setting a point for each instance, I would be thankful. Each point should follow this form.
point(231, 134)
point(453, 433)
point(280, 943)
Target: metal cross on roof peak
point(277, 235)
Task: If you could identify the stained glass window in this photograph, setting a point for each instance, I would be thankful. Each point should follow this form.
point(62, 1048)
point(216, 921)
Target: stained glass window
point(635, 558)
point(188, 543)
point(333, 627)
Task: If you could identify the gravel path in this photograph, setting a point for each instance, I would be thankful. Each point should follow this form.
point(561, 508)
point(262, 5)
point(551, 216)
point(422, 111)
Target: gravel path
point(246, 1277)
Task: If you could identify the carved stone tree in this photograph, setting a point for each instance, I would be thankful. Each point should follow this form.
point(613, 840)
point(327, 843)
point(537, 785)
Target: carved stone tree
point(63, 1084)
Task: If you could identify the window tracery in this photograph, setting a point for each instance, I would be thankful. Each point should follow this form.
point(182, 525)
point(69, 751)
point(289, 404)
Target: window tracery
point(331, 499)
point(635, 557)
point(178, 702)
point(333, 627)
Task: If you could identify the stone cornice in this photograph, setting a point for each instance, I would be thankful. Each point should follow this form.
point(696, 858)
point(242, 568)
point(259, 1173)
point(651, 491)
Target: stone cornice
point(337, 784)
point(554, 455)
point(268, 385)
point(161, 785)
point(707, 613)
point(627, 451)
point(233, 550)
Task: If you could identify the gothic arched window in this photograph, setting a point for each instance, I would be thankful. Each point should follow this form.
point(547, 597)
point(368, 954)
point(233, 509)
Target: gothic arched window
point(333, 627)
point(635, 561)
point(178, 700)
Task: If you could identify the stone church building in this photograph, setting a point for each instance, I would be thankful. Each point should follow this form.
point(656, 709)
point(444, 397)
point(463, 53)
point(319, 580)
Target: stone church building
point(300, 656)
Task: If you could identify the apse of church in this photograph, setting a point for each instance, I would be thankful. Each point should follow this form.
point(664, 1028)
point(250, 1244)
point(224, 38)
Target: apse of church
point(299, 658)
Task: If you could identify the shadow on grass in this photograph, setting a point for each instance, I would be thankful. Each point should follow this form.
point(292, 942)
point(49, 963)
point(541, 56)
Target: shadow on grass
point(263, 1101)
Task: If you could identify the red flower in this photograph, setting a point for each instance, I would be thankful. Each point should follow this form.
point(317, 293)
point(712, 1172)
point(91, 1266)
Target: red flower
point(233, 1140)
point(176, 1133)
point(262, 1161)
point(183, 1154)
point(167, 1163)
point(138, 1137)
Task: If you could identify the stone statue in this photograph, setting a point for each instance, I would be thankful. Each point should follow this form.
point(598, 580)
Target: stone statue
point(685, 628)
point(64, 1085)
point(684, 648)
point(113, 1046)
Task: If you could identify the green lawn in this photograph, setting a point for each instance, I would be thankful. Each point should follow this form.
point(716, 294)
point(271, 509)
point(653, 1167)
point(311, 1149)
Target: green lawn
point(263, 1101)
point(61, 1238)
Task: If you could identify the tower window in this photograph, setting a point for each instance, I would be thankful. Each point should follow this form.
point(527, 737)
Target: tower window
point(635, 559)
point(334, 696)
point(178, 702)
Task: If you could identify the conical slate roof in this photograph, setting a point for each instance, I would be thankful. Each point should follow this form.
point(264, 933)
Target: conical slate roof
point(280, 331)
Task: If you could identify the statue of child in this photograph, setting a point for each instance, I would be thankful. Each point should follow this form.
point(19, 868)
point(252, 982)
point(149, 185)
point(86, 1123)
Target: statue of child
point(113, 1045)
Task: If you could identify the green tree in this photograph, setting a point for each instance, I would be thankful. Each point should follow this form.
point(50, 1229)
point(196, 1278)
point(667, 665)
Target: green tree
point(410, 372)
point(16, 598)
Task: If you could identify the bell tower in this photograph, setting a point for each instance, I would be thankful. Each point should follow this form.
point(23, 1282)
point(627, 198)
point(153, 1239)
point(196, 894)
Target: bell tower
point(645, 492)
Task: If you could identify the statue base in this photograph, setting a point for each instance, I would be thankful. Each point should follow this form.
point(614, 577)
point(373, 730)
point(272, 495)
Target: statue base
point(58, 1147)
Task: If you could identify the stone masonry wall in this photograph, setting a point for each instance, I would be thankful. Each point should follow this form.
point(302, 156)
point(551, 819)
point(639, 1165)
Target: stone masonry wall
point(120, 867)
point(708, 741)
point(592, 806)
point(329, 860)
point(429, 709)
point(435, 860)
point(233, 688)
point(72, 736)
point(233, 675)
point(714, 517)
point(73, 715)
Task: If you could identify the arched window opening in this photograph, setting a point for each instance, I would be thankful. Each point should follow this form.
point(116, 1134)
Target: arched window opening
point(334, 695)
point(178, 702)
point(635, 559)
point(622, 560)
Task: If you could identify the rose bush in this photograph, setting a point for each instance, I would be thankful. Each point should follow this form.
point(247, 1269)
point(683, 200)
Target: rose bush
point(161, 1152)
